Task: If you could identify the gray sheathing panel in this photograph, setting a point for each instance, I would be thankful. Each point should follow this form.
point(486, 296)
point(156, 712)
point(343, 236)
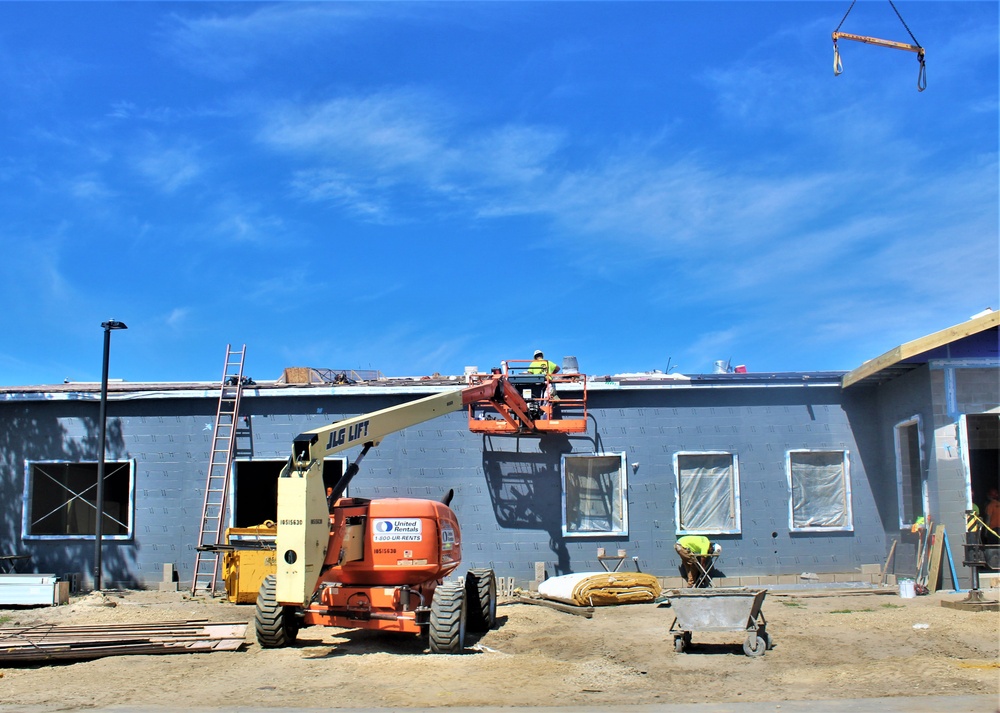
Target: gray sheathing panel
point(899, 400)
point(508, 489)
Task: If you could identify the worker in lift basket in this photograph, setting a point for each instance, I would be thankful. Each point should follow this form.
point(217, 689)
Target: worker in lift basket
point(695, 549)
point(543, 367)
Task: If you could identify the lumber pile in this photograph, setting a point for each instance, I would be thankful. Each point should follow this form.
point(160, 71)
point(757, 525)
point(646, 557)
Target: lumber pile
point(45, 642)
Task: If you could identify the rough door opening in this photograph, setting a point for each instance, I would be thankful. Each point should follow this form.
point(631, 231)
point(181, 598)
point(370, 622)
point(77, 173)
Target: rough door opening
point(255, 488)
point(983, 434)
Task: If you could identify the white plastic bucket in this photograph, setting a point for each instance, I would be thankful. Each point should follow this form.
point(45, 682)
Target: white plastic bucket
point(907, 589)
point(570, 365)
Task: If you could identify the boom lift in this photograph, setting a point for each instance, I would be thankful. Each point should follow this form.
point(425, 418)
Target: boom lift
point(375, 564)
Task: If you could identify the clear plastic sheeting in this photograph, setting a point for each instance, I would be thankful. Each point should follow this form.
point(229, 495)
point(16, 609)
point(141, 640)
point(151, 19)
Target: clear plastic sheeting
point(708, 485)
point(594, 490)
point(821, 494)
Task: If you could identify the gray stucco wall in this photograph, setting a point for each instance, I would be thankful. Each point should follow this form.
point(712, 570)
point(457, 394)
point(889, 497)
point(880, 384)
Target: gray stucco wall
point(508, 489)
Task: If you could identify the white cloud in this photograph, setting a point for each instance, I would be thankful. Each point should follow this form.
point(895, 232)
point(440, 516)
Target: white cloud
point(178, 317)
point(168, 167)
point(385, 131)
point(90, 187)
point(229, 45)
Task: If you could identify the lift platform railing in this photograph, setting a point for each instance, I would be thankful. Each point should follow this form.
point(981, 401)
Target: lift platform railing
point(531, 403)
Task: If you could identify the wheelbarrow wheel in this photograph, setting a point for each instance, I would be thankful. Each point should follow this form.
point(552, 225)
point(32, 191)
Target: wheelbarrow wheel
point(754, 645)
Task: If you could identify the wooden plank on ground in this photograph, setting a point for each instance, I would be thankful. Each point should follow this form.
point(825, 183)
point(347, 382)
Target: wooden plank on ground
point(47, 642)
point(586, 612)
point(885, 569)
point(934, 568)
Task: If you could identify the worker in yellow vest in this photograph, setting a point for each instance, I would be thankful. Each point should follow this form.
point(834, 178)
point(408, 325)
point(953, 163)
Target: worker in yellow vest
point(695, 550)
point(541, 366)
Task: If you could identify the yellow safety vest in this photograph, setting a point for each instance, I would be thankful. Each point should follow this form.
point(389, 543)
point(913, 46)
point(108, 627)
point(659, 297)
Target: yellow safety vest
point(542, 366)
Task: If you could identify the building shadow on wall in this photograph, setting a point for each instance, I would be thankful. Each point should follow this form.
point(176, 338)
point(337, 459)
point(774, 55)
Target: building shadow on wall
point(29, 436)
point(526, 491)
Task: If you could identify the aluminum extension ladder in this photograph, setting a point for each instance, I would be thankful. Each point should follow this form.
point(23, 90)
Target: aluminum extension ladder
point(213, 515)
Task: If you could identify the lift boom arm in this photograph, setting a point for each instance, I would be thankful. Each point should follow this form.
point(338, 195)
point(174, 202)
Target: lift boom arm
point(303, 515)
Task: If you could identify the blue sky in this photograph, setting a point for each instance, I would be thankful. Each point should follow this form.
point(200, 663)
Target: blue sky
point(416, 188)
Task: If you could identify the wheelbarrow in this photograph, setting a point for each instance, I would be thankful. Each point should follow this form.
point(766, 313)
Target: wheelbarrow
point(735, 609)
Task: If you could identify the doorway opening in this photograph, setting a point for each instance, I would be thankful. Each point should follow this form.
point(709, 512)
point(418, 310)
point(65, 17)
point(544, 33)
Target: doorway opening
point(255, 488)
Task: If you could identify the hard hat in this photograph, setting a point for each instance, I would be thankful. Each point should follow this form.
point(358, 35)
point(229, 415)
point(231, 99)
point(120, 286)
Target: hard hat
point(538, 353)
point(716, 549)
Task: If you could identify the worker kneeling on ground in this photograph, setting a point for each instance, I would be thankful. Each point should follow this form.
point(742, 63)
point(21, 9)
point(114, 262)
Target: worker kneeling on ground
point(696, 553)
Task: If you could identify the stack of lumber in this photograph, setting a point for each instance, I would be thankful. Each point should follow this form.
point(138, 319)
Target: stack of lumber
point(46, 642)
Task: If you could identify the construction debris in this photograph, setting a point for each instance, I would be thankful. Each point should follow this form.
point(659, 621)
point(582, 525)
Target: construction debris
point(45, 642)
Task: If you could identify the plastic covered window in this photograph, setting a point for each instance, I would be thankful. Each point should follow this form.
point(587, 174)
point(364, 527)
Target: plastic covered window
point(595, 495)
point(708, 493)
point(820, 491)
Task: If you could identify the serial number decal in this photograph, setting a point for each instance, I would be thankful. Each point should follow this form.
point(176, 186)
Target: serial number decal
point(290, 522)
point(385, 550)
point(397, 529)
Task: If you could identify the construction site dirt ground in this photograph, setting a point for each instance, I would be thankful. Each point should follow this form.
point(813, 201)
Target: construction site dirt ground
point(828, 645)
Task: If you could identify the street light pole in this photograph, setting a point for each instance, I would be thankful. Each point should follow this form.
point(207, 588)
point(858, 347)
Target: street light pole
point(102, 424)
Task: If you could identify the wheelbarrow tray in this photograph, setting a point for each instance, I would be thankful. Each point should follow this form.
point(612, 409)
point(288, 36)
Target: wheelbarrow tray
point(736, 609)
point(717, 609)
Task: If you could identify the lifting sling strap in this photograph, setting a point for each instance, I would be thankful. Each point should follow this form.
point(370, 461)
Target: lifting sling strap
point(838, 66)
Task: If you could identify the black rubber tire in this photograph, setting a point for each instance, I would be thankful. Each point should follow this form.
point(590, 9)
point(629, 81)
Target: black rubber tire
point(446, 632)
point(992, 557)
point(274, 624)
point(481, 592)
point(754, 645)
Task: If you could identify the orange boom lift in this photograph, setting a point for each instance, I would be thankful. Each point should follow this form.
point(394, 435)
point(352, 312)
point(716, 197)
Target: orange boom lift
point(377, 564)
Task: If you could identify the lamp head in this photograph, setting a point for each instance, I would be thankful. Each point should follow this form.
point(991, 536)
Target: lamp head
point(114, 324)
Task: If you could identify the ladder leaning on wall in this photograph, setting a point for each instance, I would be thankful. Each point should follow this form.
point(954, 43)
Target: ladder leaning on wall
point(213, 515)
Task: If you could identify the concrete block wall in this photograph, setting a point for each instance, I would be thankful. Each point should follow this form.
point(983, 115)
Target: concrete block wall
point(508, 489)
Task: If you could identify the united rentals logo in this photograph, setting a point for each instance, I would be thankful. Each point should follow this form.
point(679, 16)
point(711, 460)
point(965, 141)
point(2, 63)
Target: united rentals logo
point(397, 530)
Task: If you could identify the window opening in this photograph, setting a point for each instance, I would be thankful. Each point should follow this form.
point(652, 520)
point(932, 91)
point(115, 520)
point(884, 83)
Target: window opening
point(708, 493)
point(820, 486)
point(910, 481)
point(595, 495)
point(61, 500)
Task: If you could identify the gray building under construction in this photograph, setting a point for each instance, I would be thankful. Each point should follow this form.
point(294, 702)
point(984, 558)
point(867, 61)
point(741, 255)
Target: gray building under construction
point(792, 473)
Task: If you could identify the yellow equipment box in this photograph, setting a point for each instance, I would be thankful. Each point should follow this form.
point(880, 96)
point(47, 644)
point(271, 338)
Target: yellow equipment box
point(249, 558)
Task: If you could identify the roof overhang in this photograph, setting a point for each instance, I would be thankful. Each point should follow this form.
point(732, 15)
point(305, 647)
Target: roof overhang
point(897, 361)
